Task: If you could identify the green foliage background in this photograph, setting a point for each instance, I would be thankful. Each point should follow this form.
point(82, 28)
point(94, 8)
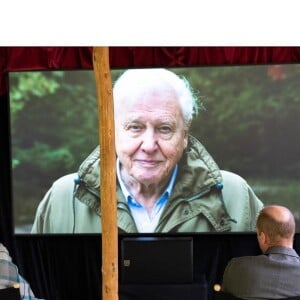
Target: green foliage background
point(248, 122)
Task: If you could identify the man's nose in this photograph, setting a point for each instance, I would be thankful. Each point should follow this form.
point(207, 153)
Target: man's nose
point(149, 142)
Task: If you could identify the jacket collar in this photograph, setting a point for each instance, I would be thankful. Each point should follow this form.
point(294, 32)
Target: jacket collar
point(282, 250)
point(196, 167)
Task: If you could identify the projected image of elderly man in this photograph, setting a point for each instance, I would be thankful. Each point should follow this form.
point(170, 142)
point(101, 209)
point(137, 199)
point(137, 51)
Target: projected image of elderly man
point(166, 180)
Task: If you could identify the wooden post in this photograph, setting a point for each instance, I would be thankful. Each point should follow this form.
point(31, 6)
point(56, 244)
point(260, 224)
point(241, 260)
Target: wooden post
point(107, 174)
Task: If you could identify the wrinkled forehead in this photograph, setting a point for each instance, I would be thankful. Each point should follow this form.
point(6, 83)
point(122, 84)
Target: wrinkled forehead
point(143, 90)
point(148, 97)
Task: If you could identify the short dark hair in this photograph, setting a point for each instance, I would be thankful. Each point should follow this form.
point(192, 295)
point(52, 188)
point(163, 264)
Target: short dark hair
point(274, 227)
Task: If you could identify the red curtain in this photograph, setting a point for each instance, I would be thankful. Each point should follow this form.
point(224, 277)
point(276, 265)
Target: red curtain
point(35, 58)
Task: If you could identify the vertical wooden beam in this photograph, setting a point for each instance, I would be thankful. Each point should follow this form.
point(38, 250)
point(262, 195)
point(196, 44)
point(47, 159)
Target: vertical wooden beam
point(107, 174)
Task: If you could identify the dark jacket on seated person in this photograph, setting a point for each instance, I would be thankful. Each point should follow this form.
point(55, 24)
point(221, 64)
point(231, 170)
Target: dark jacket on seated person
point(273, 275)
point(276, 273)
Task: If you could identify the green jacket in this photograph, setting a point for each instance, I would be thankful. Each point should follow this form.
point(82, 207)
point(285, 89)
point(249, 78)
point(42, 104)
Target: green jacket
point(204, 199)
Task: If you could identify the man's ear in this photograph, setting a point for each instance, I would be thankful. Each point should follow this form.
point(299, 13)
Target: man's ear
point(185, 139)
point(260, 236)
point(264, 238)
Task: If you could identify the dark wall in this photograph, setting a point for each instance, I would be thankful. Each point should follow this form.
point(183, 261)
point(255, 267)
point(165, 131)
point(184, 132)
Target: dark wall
point(69, 267)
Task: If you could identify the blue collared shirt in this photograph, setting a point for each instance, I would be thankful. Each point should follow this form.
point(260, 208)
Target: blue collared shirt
point(144, 221)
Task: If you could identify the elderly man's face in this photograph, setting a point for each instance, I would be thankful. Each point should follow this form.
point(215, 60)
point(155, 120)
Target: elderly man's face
point(150, 137)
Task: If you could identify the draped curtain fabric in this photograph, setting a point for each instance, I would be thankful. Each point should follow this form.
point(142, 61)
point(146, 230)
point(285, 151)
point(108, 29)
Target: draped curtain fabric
point(69, 267)
point(34, 58)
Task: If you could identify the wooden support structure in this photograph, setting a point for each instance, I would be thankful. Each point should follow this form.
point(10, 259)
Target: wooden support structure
point(107, 174)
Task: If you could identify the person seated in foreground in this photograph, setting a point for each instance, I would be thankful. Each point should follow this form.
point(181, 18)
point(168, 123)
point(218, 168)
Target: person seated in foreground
point(275, 273)
point(10, 277)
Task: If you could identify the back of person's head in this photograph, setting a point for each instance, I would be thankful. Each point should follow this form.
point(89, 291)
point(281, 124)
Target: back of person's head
point(137, 83)
point(276, 225)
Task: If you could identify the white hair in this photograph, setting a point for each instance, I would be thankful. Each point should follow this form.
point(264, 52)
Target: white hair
point(136, 82)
